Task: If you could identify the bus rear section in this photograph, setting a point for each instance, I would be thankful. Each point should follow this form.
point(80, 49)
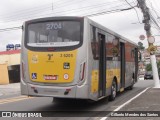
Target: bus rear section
point(53, 62)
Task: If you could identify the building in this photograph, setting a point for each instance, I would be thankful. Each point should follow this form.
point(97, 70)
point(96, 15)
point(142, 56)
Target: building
point(9, 66)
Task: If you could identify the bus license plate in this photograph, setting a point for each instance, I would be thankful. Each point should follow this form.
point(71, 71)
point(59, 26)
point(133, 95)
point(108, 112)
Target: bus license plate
point(50, 77)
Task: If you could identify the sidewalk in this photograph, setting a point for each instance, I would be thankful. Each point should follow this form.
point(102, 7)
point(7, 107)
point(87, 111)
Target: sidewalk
point(144, 107)
point(148, 101)
point(9, 89)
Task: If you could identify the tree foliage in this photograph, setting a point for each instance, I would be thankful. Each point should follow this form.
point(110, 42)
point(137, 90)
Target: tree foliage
point(149, 67)
point(140, 46)
point(158, 66)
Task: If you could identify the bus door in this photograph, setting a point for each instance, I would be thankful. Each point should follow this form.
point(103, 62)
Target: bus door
point(122, 62)
point(102, 66)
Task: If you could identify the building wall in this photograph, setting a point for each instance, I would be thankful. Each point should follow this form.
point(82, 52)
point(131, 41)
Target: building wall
point(4, 79)
point(12, 59)
point(9, 66)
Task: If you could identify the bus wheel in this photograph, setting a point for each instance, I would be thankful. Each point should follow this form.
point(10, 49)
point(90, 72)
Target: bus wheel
point(131, 87)
point(113, 91)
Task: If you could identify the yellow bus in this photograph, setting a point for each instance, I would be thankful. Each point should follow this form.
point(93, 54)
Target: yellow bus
point(75, 57)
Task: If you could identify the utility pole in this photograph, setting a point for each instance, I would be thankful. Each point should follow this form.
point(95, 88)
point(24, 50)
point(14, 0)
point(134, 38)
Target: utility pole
point(151, 49)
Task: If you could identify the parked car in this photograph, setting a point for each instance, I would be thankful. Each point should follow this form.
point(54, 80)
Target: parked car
point(148, 75)
point(141, 77)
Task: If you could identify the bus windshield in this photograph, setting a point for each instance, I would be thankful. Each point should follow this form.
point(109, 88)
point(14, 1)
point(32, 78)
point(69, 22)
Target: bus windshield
point(54, 34)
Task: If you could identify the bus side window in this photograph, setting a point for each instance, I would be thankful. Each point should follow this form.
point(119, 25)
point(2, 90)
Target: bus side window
point(109, 46)
point(94, 42)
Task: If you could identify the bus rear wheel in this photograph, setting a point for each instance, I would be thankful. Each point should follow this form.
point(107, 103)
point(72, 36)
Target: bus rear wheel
point(132, 84)
point(113, 91)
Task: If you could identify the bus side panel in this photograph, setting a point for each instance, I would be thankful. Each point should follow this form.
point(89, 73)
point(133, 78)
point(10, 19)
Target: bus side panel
point(82, 58)
point(112, 63)
point(130, 64)
point(93, 63)
point(24, 67)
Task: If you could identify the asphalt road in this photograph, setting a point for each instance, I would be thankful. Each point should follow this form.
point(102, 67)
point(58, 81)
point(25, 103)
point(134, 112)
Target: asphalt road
point(22, 103)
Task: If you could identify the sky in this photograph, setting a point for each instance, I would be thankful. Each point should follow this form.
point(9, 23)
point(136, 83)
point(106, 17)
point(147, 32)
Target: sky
point(127, 23)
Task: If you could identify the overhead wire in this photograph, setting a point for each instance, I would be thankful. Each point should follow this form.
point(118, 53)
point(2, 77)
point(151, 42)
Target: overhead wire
point(86, 7)
point(91, 15)
point(135, 11)
point(112, 10)
point(153, 21)
point(10, 29)
point(106, 12)
point(63, 10)
point(82, 8)
point(67, 12)
point(34, 11)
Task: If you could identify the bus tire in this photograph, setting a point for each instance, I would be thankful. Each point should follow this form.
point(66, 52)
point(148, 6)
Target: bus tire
point(132, 84)
point(113, 91)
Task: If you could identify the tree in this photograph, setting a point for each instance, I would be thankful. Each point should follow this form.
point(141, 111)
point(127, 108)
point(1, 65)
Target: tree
point(140, 46)
point(158, 66)
point(148, 67)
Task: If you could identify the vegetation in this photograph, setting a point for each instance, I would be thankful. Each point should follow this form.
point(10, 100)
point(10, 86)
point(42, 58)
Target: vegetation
point(149, 67)
point(140, 46)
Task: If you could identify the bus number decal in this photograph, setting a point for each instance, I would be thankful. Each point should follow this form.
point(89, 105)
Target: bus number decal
point(53, 26)
point(66, 55)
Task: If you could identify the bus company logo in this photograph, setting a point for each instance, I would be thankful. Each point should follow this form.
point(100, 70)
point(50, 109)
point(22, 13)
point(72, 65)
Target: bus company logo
point(66, 65)
point(35, 59)
point(50, 56)
point(34, 75)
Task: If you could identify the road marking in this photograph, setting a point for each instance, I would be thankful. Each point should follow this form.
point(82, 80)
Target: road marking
point(121, 106)
point(9, 100)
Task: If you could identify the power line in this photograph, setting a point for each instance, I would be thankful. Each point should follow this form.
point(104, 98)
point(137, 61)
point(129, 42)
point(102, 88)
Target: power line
point(82, 8)
point(89, 15)
point(48, 5)
point(33, 11)
point(10, 29)
point(106, 12)
point(134, 9)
